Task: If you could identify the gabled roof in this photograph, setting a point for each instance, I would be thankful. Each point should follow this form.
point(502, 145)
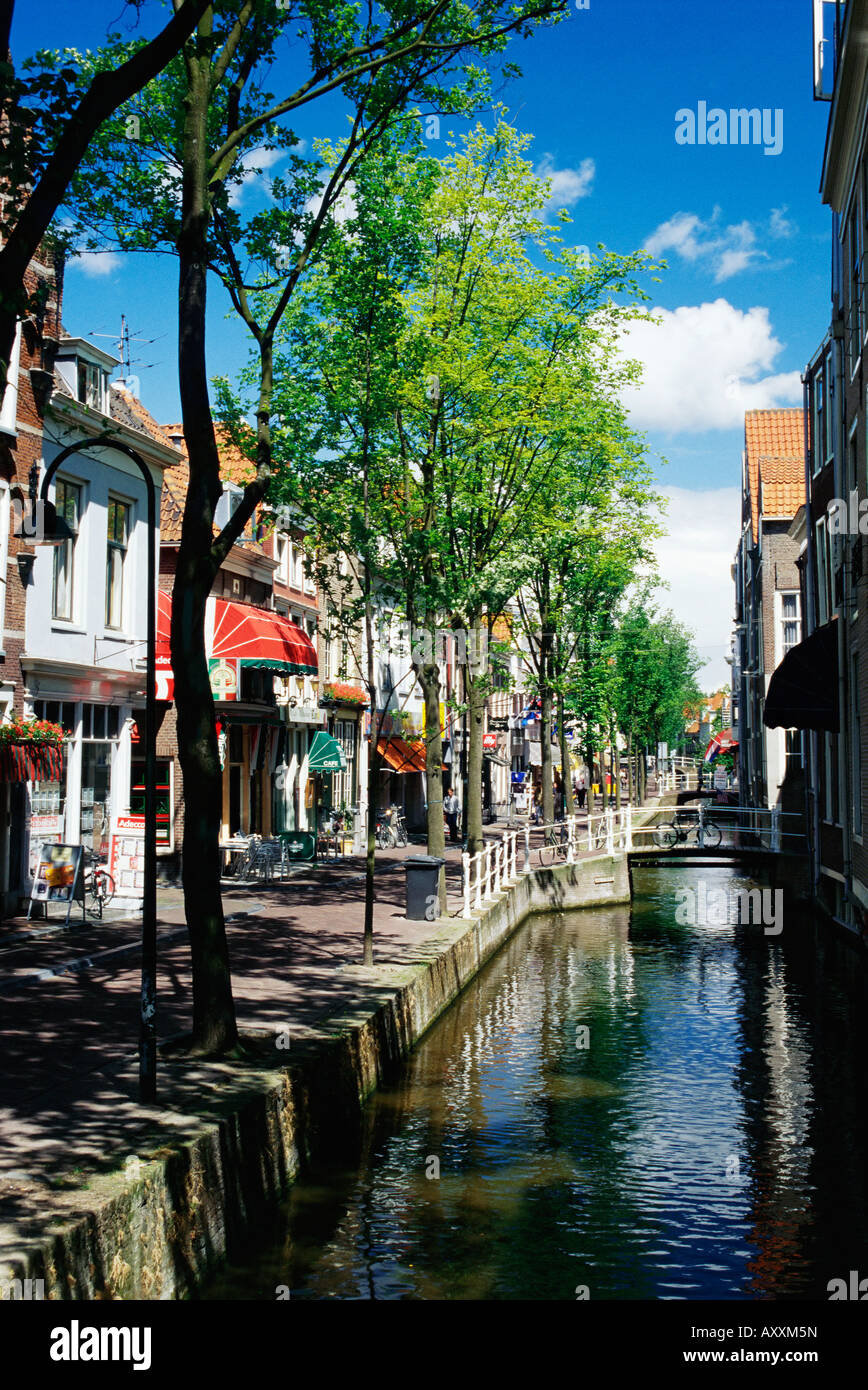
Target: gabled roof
point(775, 436)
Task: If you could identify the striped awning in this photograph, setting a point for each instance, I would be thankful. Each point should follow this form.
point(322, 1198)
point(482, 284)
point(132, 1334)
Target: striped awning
point(241, 634)
point(400, 756)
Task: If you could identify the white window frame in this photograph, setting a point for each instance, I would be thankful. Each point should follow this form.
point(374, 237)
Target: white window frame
point(126, 586)
point(76, 585)
point(9, 407)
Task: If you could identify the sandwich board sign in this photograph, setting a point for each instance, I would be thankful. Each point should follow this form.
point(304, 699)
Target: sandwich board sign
point(57, 878)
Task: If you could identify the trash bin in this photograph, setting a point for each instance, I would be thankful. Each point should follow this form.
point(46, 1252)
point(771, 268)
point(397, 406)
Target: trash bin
point(423, 880)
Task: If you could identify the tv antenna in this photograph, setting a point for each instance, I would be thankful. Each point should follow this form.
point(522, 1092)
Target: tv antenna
point(122, 345)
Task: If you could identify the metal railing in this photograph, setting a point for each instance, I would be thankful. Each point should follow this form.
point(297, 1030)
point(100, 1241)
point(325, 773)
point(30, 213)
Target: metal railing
point(500, 864)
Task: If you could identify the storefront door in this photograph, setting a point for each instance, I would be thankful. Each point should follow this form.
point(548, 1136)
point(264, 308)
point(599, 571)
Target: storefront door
point(95, 795)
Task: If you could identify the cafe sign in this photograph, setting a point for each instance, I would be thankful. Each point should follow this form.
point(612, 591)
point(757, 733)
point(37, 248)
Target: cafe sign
point(223, 676)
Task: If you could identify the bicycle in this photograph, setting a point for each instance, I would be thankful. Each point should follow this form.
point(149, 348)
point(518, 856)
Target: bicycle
point(685, 825)
point(97, 881)
point(399, 827)
point(553, 851)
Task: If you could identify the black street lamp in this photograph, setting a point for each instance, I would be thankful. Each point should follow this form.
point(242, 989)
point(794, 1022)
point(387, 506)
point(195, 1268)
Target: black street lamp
point(54, 530)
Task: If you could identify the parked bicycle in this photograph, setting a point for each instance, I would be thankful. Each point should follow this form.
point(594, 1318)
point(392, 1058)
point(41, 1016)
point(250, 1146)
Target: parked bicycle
point(555, 846)
point(98, 882)
point(684, 827)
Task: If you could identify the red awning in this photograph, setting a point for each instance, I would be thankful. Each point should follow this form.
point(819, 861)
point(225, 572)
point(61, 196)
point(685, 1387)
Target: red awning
point(254, 637)
point(400, 756)
point(262, 639)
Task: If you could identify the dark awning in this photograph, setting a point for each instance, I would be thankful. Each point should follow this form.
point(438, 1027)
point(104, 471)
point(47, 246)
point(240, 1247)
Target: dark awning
point(325, 754)
point(803, 692)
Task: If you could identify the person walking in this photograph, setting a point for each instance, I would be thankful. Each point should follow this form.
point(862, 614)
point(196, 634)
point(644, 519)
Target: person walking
point(581, 790)
point(451, 808)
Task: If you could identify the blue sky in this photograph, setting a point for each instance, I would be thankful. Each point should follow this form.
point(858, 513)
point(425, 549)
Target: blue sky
point(745, 298)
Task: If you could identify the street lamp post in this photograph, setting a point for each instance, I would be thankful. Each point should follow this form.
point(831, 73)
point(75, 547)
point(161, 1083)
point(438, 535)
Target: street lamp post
point(50, 534)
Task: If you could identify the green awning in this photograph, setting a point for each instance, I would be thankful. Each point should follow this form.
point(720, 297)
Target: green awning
point(280, 668)
point(326, 754)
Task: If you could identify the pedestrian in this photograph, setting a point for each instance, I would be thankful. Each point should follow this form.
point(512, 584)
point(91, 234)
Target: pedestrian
point(581, 790)
point(451, 808)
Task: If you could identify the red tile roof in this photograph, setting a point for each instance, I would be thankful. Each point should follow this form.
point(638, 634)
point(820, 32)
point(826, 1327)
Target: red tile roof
point(775, 437)
point(234, 468)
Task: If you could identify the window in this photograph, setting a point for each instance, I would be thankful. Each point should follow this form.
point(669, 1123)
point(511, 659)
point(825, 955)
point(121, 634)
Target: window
point(830, 407)
point(309, 581)
point(818, 432)
point(163, 783)
point(91, 386)
point(824, 578)
point(118, 535)
point(296, 575)
point(281, 555)
point(794, 753)
point(790, 622)
point(67, 500)
point(9, 402)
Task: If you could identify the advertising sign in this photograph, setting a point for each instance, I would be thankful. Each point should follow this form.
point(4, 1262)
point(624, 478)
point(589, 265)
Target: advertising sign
point(223, 676)
point(57, 876)
point(126, 856)
point(489, 740)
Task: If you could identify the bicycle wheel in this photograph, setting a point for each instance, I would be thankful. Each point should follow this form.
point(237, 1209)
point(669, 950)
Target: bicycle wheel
point(547, 855)
point(665, 836)
point(102, 888)
point(712, 834)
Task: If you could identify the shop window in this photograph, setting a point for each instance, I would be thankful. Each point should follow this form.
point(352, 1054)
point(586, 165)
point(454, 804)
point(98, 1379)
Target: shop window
point(164, 796)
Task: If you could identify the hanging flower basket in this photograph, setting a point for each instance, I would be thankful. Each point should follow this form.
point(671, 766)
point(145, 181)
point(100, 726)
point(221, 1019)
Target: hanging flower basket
point(31, 750)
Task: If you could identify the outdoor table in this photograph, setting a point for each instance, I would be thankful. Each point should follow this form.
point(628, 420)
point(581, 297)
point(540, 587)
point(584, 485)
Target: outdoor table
point(230, 847)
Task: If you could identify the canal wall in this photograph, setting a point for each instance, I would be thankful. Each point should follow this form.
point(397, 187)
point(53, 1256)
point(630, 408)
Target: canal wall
point(231, 1137)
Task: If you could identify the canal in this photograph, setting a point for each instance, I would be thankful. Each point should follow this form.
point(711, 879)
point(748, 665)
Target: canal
point(619, 1107)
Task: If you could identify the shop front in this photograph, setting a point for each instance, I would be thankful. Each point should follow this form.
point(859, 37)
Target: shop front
point(253, 656)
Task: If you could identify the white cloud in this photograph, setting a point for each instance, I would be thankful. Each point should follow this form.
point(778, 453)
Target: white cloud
point(780, 225)
point(694, 559)
point(252, 165)
point(567, 185)
point(97, 263)
point(704, 365)
point(724, 250)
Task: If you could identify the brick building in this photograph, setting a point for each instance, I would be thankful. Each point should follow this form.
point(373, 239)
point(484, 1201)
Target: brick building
point(768, 602)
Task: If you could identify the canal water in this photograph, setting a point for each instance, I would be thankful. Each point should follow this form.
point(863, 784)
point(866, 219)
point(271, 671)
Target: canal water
point(619, 1107)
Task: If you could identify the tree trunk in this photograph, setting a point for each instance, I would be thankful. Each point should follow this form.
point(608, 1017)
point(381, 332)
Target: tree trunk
point(214, 1025)
point(428, 675)
point(589, 759)
point(545, 736)
point(631, 786)
point(475, 688)
point(616, 767)
point(566, 773)
point(643, 776)
point(373, 779)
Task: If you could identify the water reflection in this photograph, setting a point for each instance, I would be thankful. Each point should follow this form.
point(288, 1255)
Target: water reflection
point(708, 1142)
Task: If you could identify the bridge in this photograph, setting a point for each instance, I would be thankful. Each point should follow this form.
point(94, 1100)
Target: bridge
point(646, 836)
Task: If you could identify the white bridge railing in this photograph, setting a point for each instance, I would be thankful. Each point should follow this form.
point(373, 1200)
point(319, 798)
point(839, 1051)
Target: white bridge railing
point(501, 863)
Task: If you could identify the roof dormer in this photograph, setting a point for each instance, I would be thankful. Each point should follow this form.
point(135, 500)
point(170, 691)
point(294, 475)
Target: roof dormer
point(85, 371)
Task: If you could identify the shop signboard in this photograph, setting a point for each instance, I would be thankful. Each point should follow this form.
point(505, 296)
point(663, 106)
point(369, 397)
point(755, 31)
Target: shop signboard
point(223, 676)
point(126, 856)
point(489, 741)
